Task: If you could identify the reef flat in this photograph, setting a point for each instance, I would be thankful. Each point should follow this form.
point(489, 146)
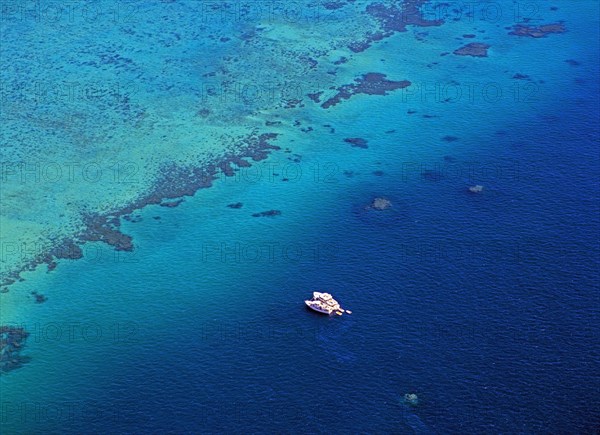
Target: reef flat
point(118, 146)
point(475, 49)
point(537, 31)
point(174, 181)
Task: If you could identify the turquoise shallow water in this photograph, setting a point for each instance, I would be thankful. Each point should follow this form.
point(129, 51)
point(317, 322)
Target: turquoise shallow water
point(486, 305)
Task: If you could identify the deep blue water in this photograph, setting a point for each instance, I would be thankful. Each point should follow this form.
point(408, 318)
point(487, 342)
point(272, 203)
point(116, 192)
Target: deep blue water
point(484, 305)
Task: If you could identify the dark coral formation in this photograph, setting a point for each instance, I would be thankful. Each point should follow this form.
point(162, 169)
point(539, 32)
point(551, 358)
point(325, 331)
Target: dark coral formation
point(331, 129)
point(102, 229)
point(203, 113)
point(449, 138)
point(369, 84)
point(268, 213)
point(309, 61)
point(316, 96)
point(296, 158)
point(133, 219)
point(394, 18)
point(39, 298)
point(12, 340)
point(475, 49)
point(537, 32)
point(332, 5)
point(293, 103)
point(63, 249)
point(357, 142)
point(171, 204)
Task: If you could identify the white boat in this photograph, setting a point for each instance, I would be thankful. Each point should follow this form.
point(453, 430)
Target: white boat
point(324, 303)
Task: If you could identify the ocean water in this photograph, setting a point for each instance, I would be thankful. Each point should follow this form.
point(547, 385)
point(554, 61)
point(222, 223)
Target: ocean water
point(484, 305)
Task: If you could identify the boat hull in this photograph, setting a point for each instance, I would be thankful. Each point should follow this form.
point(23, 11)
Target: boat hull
point(317, 309)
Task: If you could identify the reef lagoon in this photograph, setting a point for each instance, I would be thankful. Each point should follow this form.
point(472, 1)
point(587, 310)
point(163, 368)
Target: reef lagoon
point(178, 176)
